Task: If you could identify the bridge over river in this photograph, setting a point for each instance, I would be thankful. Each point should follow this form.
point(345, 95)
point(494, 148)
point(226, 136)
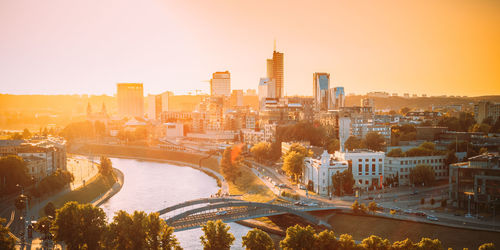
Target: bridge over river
point(195, 213)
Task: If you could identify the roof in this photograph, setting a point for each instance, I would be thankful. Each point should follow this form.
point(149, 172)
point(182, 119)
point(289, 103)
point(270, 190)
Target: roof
point(6, 143)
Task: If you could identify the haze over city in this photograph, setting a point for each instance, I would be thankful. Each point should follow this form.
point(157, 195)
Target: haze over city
point(424, 47)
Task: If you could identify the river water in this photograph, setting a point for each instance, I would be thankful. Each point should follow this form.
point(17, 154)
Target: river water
point(150, 186)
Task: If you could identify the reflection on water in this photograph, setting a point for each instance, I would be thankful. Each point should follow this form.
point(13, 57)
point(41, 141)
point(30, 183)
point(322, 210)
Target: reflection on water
point(151, 186)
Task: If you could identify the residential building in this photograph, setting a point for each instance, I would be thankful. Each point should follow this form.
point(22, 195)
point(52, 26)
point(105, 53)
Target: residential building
point(476, 183)
point(220, 84)
point(367, 166)
point(485, 109)
point(321, 86)
point(237, 98)
point(317, 174)
point(9, 147)
point(130, 99)
point(367, 102)
point(250, 136)
point(400, 167)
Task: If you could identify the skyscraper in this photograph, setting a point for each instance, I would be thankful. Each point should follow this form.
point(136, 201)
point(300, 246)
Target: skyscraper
point(339, 97)
point(278, 74)
point(321, 86)
point(130, 99)
point(275, 72)
point(220, 84)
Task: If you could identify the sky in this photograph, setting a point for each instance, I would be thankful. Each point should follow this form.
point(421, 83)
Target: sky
point(446, 47)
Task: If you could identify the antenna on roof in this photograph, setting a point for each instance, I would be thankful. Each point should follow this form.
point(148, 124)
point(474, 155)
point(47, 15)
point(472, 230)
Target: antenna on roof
point(274, 44)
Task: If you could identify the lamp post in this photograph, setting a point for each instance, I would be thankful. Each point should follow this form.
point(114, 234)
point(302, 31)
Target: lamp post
point(24, 199)
point(468, 210)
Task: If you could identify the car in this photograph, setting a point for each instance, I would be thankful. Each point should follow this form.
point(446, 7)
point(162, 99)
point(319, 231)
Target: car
point(299, 203)
point(397, 209)
point(223, 212)
point(283, 185)
point(312, 204)
point(432, 218)
point(414, 192)
point(420, 213)
point(408, 211)
point(302, 187)
point(470, 216)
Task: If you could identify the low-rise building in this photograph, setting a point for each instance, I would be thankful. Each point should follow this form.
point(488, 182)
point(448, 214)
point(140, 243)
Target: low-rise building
point(250, 136)
point(400, 167)
point(317, 174)
point(367, 166)
point(37, 167)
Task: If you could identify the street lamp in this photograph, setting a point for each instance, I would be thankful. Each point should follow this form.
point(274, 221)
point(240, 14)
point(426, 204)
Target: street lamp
point(468, 210)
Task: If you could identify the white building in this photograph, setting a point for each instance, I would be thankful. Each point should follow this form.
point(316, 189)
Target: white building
point(318, 172)
point(269, 132)
point(220, 84)
point(401, 166)
point(173, 130)
point(250, 136)
point(367, 166)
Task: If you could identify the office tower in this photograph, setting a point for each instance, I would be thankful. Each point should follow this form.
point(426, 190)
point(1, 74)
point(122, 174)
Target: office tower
point(339, 97)
point(236, 98)
point(278, 74)
point(270, 68)
point(220, 84)
point(130, 99)
point(156, 104)
point(321, 86)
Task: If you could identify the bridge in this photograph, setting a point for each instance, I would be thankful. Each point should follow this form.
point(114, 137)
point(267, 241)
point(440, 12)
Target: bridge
point(195, 213)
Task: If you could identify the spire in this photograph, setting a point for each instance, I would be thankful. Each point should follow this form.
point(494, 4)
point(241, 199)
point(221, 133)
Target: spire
point(274, 48)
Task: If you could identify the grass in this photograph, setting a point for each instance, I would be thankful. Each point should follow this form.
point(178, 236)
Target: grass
point(95, 187)
point(250, 187)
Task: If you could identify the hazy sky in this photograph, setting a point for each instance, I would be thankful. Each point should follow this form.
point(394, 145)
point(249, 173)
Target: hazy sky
point(426, 46)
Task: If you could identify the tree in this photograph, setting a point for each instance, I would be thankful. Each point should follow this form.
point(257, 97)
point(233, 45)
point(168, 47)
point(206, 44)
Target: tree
point(106, 167)
point(451, 158)
point(422, 175)
point(487, 246)
point(298, 237)
point(50, 210)
point(403, 245)
point(372, 207)
point(257, 239)
point(325, 240)
point(297, 147)
point(216, 236)
point(396, 152)
point(79, 225)
point(426, 243)
point(333, 145)
point(353, 143)
point(230, 165)
point(6, 241)
point(13, 171)
point(26, 134)
point(375, 243)
point(346, 242)
point(356, 208)
point(261, 150)
point(481, 128)
point(43, 226)
point(404, 110)
point(343, 182)
point(293, 163)
point(375, 141)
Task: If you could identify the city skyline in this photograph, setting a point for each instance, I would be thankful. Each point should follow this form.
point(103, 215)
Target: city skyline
point(450, 47)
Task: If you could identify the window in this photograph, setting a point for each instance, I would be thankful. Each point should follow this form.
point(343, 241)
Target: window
point(379, 159)
point(366, 182)
point(373, 159)
point(367, 160)
point(360, 168)
point(359, 160)
point(379, 169)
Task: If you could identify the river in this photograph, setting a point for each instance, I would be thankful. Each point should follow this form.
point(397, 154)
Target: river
point(150, 186)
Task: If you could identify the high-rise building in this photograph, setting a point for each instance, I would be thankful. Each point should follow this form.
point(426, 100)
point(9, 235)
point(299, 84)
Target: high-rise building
point(339, 97)
point(156, 104)
point(321, 86)
point(267, 89)
point(275, 72)
point(220, 84)
point(130, 98)
point(278, 74)
point(237, 98)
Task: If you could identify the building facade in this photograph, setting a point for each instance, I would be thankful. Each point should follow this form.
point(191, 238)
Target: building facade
point(130, 98)
point(367, 166)
point(321, 86)
point(400, 167)
point(220, 84)
point(318, 172)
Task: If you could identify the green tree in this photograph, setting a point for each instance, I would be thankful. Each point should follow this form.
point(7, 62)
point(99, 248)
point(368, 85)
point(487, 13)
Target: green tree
point(396, 152)
point(50, 209)
point(325, 240)
point(375, 141)
point(13, 171)
point(43, 226)
point(261, 151)
point(293, 163)
point(422, 175)
point(297, 147)
point(230, 165)
point(79, 225)
point(353, 143)
point(375, 243)
point(347, 243)
point(428, 244)
point(481, 128)
point(404, 245)
point(356, 207)
point(26, 134)
point(6, 241)
point(333, 145)
point(298, 237)
point(257, 239)
point(216, 236)
point(372, 207)
point(106, 167)
point(487, 246)
point(451, 158)
point(343, 182)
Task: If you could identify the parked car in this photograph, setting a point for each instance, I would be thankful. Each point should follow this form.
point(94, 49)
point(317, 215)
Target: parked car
point(408, 211)
point(302, 187)
point(299, 203)
point(283, 185)
point(397, 209)
point(432, 218)
point(420, 213)
point(312, 204)
point(470, 216)
point(223, 212)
